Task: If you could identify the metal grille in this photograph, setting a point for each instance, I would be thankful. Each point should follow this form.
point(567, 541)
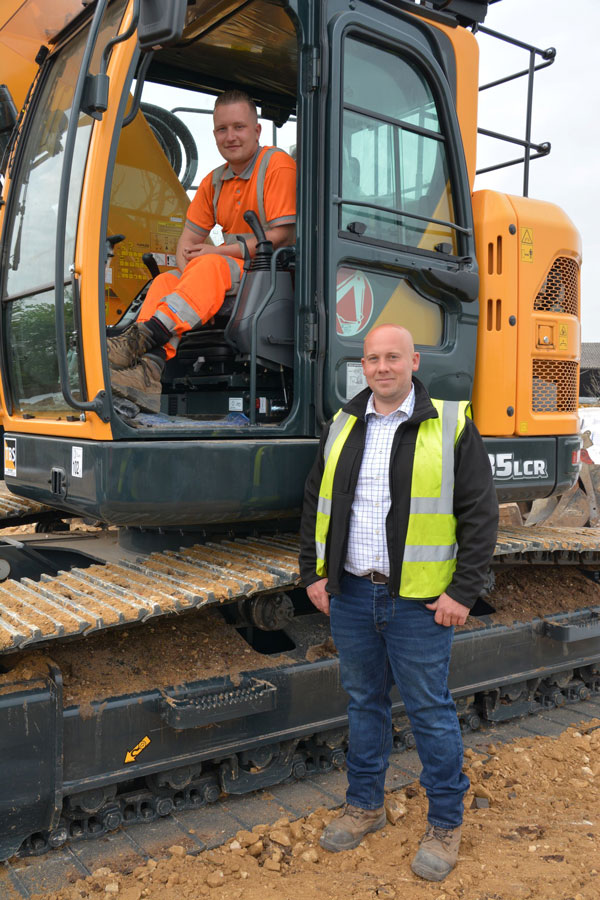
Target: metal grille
point(560, 290)
point(554, 385)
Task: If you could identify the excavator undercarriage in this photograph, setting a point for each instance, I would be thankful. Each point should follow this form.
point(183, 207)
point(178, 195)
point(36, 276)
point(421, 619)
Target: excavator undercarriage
point(133, 751)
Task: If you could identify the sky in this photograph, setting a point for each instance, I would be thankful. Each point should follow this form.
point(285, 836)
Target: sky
point(566, 112)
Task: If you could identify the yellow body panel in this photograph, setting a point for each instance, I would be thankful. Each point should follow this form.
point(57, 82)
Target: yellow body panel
point(466, 50)
point(25, 25)
point(148, 205)
point(527, 373)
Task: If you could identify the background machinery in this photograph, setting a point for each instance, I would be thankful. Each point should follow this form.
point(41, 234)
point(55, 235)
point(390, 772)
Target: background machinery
point(203, 498)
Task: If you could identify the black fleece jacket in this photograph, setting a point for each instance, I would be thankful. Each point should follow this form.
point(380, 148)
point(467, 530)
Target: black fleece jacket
point(475, 503)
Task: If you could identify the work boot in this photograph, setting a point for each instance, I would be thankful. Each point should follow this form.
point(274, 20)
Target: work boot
point(125, 350)
point(349, 829)
point(437, 853)
point(140, 384)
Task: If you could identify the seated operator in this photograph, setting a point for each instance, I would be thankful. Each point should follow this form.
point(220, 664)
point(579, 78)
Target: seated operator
point(259, 178)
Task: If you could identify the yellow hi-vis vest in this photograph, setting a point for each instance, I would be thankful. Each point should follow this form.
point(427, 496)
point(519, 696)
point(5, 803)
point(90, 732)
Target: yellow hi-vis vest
point(430, 549)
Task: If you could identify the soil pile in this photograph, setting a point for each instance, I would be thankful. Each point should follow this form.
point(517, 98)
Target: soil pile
point(531, 831)
point(524, 592)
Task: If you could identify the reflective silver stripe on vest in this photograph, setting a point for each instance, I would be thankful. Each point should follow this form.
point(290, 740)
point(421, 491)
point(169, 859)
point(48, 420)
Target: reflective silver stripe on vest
point(429, 554)
point(334, 430)
point(324, 506)
point(443, 504)
point(260, 183)
point(217, 184)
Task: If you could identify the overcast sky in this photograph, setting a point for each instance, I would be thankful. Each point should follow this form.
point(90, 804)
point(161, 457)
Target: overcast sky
point(566, 113)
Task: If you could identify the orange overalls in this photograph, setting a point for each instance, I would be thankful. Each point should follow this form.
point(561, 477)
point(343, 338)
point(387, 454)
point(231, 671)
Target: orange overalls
point(267, 185)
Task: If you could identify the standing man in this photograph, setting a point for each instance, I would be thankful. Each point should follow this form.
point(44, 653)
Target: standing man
point(398, 530)
point(262, 179)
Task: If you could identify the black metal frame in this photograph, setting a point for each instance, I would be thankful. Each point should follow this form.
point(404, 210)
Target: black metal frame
point(540, 150)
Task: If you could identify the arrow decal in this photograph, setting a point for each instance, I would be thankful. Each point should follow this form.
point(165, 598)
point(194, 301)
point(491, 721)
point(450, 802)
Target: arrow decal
point(131, 755)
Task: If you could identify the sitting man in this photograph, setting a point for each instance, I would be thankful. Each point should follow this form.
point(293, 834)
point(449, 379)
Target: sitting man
point(262, 179)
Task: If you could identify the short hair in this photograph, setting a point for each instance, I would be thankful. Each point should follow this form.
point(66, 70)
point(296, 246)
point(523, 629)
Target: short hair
point(229, 97)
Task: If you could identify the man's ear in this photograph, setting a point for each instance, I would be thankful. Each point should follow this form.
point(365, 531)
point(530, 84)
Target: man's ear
point(416, 361)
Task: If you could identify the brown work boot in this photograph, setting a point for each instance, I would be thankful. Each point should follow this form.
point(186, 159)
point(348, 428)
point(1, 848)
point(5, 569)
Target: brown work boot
point(125, 350)
point(437, 853)
point(140, 384)
point(349, 829)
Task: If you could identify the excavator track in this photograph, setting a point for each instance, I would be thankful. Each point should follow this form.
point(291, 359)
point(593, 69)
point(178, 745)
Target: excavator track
point(15, 510)
point(84, 600)
point(544, 544)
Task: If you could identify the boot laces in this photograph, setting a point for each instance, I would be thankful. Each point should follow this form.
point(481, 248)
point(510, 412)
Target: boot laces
point(443, 835)
point(355, 812)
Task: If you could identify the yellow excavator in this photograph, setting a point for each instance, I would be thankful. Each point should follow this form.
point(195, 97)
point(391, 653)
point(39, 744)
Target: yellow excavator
point(200, 501)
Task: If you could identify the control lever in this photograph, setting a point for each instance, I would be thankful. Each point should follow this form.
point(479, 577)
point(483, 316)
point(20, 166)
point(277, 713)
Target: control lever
point(151, 264)
point(264, 248)
point(111, 241)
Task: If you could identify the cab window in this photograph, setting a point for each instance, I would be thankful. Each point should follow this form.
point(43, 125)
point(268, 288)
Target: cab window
point(395, 179)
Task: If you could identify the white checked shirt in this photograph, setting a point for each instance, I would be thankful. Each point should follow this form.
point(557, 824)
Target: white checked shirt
point(367, 543)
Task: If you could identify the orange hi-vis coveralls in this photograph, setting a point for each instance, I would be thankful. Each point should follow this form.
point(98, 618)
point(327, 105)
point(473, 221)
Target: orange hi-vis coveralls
point(268, 186)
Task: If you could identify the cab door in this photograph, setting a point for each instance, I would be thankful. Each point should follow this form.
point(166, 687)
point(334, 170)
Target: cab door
point(35, 245)
point(398, 229)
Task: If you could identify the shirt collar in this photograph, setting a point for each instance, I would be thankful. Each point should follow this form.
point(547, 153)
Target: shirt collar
point(407, 406)
point(246, 174)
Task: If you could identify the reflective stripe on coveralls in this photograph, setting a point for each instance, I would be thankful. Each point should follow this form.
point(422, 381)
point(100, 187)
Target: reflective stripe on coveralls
point(430, 546)
point(181, 301)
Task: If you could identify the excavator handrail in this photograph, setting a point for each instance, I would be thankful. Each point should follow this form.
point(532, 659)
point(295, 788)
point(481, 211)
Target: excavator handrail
point(543, 149)
point(99, 404)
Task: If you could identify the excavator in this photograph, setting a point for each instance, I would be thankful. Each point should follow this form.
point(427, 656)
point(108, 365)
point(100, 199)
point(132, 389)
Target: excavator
point(196, 507)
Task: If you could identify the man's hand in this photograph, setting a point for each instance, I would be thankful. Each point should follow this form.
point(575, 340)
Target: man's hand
point(318, 596)
point(447, 611)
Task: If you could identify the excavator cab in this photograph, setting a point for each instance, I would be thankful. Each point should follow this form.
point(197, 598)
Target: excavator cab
point(380, 106)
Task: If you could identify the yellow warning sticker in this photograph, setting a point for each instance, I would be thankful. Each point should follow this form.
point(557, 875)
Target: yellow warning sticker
point(131, 754)
point(523, 427)
point(527, 245)
point(563, 337)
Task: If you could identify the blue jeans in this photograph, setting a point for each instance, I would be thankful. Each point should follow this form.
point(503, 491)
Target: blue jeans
point(382, 640)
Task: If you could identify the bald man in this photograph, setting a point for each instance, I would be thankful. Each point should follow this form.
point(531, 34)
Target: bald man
point(398, 530)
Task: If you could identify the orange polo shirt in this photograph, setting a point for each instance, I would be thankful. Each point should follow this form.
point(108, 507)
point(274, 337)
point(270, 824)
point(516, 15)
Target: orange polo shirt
point(238, 193)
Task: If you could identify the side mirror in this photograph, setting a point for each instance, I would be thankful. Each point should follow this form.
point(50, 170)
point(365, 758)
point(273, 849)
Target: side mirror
point(161, 22)
point(8, 120)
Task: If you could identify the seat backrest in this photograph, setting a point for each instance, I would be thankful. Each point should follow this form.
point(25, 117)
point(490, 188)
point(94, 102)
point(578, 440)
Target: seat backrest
point(274, 319)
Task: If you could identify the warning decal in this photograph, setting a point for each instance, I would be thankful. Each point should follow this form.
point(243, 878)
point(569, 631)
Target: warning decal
point(10, 457)
point(563, 337)
point(354, 302)
point(131, 754)
point(527, 245)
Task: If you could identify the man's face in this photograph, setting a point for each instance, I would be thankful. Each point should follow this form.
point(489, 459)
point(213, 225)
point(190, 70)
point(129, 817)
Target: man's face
point(236, 132)
point(388, 364)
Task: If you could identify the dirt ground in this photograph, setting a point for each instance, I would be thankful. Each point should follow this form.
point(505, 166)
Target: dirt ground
point(539, 838)
point(524, 592)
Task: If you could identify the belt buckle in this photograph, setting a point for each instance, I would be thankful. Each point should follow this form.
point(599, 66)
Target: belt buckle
point(377, 578)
